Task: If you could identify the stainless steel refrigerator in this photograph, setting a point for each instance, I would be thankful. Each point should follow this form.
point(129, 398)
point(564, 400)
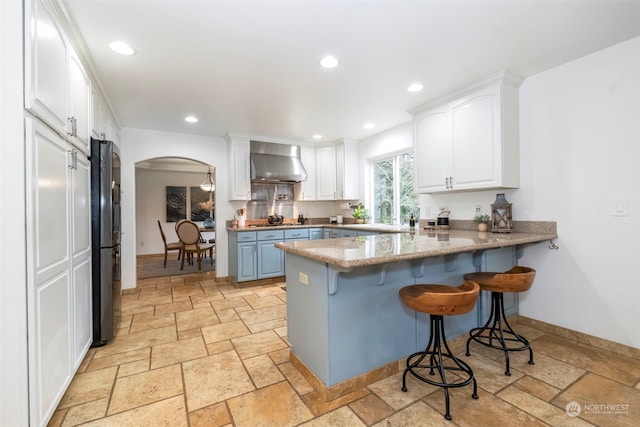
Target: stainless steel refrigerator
point(105, 238)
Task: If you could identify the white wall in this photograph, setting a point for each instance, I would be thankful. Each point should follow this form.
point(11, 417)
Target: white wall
point(579, 149)
point(137, 145)
point(151, 206)
point(14, 409)
point(394, 140)
point(580, 146)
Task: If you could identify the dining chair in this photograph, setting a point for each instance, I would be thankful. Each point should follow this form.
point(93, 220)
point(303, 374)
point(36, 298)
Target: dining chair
point(189, 235)
point(172, 246)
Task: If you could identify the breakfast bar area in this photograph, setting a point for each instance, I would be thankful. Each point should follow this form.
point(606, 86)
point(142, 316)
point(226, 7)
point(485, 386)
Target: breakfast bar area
point(346, 324)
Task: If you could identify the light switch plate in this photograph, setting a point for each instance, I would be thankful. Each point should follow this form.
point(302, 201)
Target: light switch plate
point(619, 207)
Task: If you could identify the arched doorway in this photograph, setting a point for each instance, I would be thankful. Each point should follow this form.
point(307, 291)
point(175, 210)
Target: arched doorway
point(168, 189)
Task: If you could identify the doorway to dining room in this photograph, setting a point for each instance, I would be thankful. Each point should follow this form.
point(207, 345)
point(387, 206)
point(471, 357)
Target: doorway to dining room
point(170, 189)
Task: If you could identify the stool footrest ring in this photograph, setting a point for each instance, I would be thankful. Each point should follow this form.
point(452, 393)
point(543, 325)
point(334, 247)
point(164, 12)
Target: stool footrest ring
point(497, 333)
point(439, 352)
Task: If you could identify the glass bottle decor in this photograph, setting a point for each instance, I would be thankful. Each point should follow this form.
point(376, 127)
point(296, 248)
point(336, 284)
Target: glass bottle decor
point(501, 215)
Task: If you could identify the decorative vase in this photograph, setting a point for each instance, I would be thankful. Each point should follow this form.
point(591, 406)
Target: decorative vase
point(482, 227)
point(209, 223)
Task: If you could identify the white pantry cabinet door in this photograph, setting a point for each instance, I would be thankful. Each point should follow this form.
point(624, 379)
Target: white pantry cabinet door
point(49, 276)
point(46, 52)
point(81, 258)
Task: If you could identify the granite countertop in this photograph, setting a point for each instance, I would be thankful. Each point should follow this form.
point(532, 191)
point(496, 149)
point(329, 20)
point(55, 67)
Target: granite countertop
point(383, 228)
point(384, 248)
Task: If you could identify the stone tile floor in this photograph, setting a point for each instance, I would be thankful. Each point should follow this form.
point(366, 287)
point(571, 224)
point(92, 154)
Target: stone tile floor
point(193, 352)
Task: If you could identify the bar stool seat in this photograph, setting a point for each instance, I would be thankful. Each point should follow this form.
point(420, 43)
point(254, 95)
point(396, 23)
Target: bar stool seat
point(497, 333)
point(439, 301)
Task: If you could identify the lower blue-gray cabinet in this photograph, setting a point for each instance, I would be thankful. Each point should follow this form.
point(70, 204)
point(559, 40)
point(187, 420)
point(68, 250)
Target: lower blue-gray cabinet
point(247, 261)
point(316, 233)
point(270, 259)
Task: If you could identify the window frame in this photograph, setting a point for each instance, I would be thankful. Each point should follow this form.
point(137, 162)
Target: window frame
point(393, 156)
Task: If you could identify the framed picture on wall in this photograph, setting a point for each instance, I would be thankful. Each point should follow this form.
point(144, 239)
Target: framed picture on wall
point(201, 205)
point(176, 203)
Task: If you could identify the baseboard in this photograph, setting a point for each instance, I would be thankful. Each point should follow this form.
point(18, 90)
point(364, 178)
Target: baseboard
point(614, 347)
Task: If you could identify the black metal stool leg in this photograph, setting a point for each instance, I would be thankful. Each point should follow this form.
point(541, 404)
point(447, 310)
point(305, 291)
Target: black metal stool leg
point(499, 331)
point(436, 363)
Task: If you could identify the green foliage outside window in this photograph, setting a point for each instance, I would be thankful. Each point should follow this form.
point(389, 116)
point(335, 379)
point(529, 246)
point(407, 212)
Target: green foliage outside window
point(393, 190)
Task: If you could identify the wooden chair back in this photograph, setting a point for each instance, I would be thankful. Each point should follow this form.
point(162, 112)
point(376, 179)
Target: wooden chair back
point(188, 233)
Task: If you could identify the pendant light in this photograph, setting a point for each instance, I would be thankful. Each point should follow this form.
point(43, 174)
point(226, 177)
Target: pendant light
point(207, 184)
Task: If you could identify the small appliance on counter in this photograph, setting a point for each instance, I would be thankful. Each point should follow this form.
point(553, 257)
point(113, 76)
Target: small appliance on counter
point(443, 220)
point(333, 220)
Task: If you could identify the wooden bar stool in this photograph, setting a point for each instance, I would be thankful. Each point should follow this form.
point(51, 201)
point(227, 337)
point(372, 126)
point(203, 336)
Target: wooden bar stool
point(497, 333)
point(439, 301)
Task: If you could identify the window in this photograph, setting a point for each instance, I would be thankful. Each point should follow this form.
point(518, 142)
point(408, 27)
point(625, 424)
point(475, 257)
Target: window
point(394, 199)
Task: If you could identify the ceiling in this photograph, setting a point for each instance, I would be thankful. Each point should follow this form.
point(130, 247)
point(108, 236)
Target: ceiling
point(251, 67)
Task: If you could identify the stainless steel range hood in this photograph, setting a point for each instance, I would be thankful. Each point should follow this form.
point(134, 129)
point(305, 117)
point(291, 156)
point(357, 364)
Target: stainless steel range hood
point(276, 163)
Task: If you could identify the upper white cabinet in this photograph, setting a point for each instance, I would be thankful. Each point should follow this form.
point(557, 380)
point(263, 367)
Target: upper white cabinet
point(337, 176)
point(347, 170)
point(57, 87)
point(306, 190)
point(470, 141)
point(326, 173)
point(46, 60)
point(102, 125)
point(239, 149)
point(79, 103)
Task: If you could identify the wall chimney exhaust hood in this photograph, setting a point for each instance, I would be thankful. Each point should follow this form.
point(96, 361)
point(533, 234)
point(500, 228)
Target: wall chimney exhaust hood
point(272, 162)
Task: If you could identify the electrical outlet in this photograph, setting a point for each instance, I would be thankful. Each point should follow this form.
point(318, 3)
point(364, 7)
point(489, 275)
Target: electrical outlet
point(304, 279)
point(142, 244)
point(478, 209)
point(619, 207)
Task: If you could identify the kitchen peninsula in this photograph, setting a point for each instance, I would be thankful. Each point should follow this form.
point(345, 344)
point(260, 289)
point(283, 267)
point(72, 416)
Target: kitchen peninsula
point(346, 324)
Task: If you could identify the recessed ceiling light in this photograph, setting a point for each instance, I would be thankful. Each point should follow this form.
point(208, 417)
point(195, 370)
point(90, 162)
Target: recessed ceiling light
point(329, 62)
point(317, 136)
point(415, 87)
point(191, 119)
point(122, 48)
point(369, 125)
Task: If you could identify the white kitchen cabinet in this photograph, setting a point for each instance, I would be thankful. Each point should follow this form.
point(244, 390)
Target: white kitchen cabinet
point(326, 173)
point(102, 125)
point(347, 170)
point(46, 61)
point(79, 104)
point(337, 169)
point(432, 150)
point(239, 150)
point(306, 190)
point(57, 87)
point(469, 142)
point(58, 265)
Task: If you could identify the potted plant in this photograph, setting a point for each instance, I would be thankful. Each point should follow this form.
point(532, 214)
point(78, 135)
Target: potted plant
point(483, 221)
point(360, 214)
